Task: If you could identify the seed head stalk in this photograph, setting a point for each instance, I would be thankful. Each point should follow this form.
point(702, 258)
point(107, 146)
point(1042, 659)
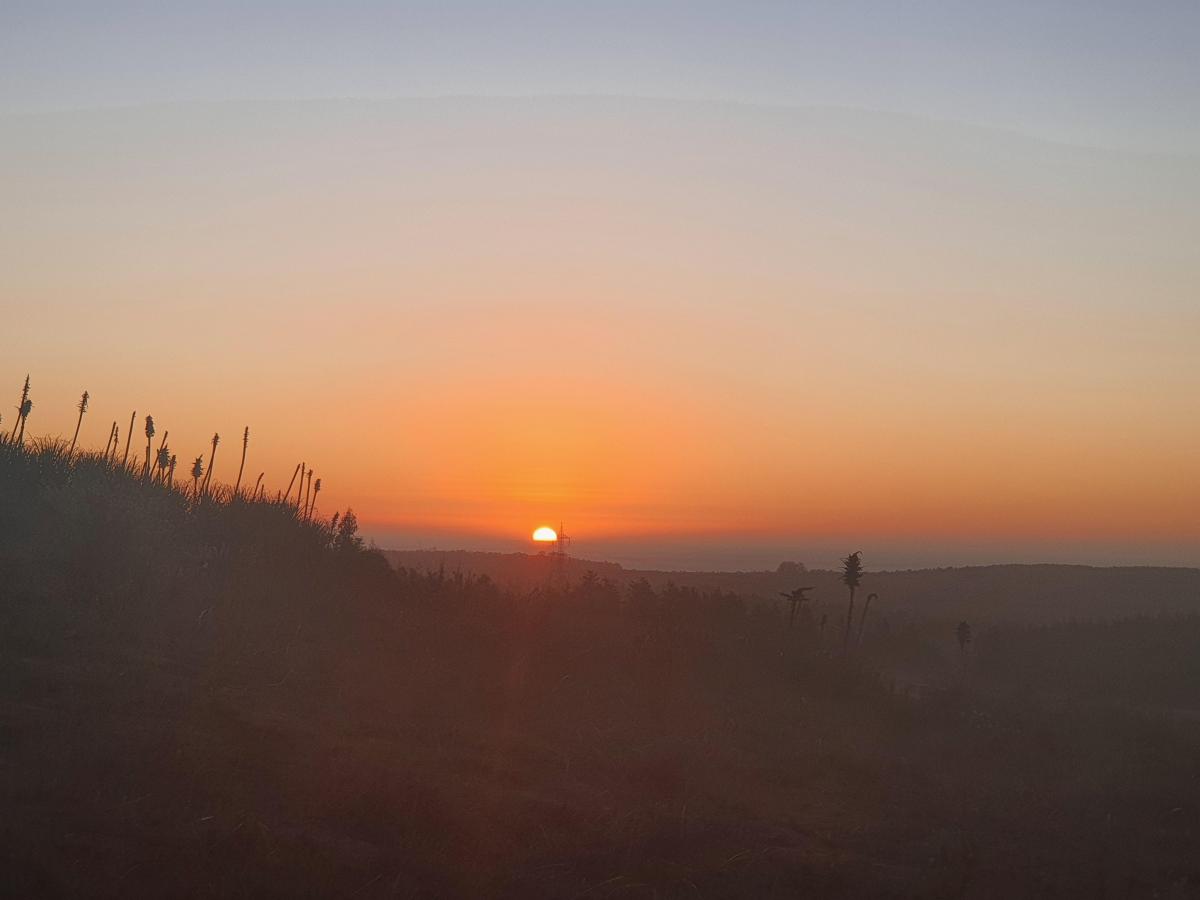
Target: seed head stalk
point(83, 402)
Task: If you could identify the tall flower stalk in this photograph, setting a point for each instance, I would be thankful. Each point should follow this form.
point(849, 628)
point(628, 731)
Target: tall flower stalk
point(245, 442)
point(851, 577)
point(862, 620)
point(313, 504)
point(162, 447)
point(197, 471)
point(83, 402)
point(212, 461)
point(149, 436)
point(20, 407)
point(26, 409)
point(288, 492)
point(163, 459)
point(128, 437)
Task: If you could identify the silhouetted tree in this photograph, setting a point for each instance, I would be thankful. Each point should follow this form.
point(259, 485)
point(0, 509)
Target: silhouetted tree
point(83, 402)
point(346, 533)
point(851, 577)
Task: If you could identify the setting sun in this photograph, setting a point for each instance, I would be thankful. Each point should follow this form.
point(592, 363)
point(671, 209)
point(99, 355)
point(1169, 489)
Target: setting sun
point(545, 533)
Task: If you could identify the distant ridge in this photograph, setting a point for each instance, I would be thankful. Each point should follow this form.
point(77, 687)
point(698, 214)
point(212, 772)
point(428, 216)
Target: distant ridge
point(1034, 593)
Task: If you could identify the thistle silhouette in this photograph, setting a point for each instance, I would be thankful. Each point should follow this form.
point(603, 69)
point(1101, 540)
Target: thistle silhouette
point(83, 402)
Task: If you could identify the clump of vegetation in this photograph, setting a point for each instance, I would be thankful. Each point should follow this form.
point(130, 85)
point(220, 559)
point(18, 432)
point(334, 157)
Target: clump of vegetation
point(54, 488)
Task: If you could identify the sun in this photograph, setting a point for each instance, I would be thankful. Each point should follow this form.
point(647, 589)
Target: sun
point(545, 533)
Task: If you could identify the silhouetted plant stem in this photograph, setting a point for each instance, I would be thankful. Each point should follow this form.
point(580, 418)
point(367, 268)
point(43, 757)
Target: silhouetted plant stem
point(149, 435)
point(162, 459)
point(288, 492)
point(245, 442)
point(197, 471)
point(83, 402)
point(20, 406)
point(313, 504)
point(862, 621)
point(851, 577)
point(161, 456)
point(212, 461)
point(128, 437)
point(308, 487)
point(26, 408)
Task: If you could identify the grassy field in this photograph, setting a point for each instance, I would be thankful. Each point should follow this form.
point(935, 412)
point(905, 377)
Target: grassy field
point(218, 697)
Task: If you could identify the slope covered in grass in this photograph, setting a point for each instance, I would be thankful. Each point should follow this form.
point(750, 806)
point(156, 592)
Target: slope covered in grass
point(221, 699)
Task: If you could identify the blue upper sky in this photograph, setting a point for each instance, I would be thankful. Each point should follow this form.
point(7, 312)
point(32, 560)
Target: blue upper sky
point(1115, 74)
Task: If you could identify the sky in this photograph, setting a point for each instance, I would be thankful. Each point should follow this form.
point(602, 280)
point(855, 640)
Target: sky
point(716, 285)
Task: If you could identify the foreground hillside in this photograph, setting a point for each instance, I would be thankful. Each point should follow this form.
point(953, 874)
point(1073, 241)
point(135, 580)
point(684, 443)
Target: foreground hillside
point(222, 700)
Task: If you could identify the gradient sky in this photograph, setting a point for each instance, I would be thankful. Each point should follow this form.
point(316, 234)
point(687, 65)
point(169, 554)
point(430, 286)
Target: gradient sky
point(774, 278)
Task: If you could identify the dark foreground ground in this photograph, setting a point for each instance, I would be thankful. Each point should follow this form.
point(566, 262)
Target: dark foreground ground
point(200, 708)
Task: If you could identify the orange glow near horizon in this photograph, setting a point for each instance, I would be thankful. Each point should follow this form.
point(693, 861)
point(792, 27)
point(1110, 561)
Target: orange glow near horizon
point(741, 340)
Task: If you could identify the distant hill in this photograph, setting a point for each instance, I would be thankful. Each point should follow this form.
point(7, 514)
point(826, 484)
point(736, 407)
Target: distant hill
point(1004, 593)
